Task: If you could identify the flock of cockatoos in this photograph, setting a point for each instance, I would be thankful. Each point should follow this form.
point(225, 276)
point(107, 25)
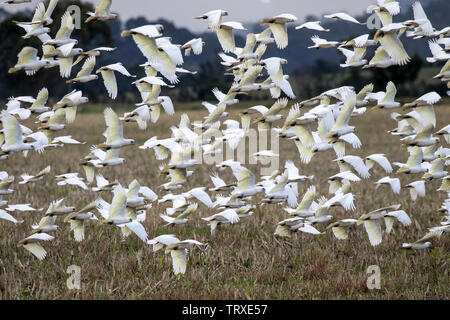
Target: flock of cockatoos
point(330, 114)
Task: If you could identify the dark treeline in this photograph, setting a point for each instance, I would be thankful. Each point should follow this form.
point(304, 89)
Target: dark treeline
point(311, 71)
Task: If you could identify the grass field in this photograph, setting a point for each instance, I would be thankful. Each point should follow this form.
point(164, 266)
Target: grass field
point(243, 261)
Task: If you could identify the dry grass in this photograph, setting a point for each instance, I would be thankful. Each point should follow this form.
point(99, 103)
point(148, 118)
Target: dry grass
point(243, 261)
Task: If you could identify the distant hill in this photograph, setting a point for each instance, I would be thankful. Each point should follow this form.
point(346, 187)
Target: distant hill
point(297, 52)
point(3, 14)
point(299, 55)
point(305, 65)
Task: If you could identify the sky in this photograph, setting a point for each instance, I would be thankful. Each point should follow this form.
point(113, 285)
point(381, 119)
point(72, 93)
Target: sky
point(182, 12)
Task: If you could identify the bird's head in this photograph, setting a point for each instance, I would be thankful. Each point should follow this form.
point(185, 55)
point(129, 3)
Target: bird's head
point(77, 51)
point(84, 99)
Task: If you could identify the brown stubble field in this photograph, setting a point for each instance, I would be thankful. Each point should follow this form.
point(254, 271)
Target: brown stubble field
point(243, 261)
